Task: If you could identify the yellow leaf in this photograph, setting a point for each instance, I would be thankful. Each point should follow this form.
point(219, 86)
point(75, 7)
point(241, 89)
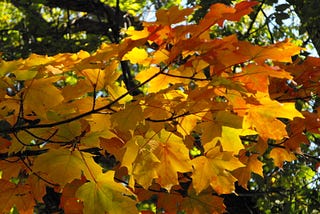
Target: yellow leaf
point(279, 155)
point(137, 34)
point(147, 73)
point(137, 55)
point(170, 162)
point(41, 95)
point(116, 91)
point(157, 158)
point(213, 169)
point(132, 149)
point(230, 138)
point(105, 195)
point(161, 81)
point(100, 126)
point(9, 67)
point(128, 118)
point(187, 124)
point(70, 164)
point(144, 168)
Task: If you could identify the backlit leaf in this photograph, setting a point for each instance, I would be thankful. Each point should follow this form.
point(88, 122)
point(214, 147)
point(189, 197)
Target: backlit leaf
point(105, 195)
point(71, 165)
point(41, 95)
point(213, 169)
point(279, 155)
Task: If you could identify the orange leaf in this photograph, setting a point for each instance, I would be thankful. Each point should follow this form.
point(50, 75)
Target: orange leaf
point(173, 15)
point(243, 174)
point(213, 169)
point(280, 52)
point(15, 195)
point(205, 202)
point(69, 202)
point(171, 163)
point(267, 113)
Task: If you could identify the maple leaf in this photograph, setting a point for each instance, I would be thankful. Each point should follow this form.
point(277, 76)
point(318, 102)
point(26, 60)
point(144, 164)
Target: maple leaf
point(10, 168)
point(281, 51)
point(137, 55)
point(252, 164)
point(159, 161)
point(37, 187)
point(279, 155)
point(42, 92)
point(256, 77)
point(69, 202)
point(267, 113)
point(173, 15)
point(204, 202)
point(100, 127)
point(166, 151)
point(161, 81)
point(105, 195)
point(214, 169)
point(128, 118)
point(17, 195)
point(168, 202)
point(230, 138)
point(71, 165)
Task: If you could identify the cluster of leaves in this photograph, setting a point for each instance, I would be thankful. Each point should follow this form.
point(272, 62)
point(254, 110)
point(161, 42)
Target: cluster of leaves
point(202, 119)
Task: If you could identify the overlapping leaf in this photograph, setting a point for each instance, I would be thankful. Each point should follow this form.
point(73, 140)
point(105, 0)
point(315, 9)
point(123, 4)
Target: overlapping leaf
point(105, 195)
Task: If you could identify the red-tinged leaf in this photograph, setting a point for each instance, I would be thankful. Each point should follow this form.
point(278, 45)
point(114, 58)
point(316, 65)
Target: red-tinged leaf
point(10, 168)
point(205, 202)
point(167, 202)
point(37, 187)
point(17, 195)
point(113, 146)
point(279, 155)
point(298, 127)
point(256, 77)
point(68, 201)
point(4, 144)
point(215, 15)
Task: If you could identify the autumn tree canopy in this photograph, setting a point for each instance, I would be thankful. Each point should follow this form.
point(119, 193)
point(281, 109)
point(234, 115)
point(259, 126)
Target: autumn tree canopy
point(170, 118)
